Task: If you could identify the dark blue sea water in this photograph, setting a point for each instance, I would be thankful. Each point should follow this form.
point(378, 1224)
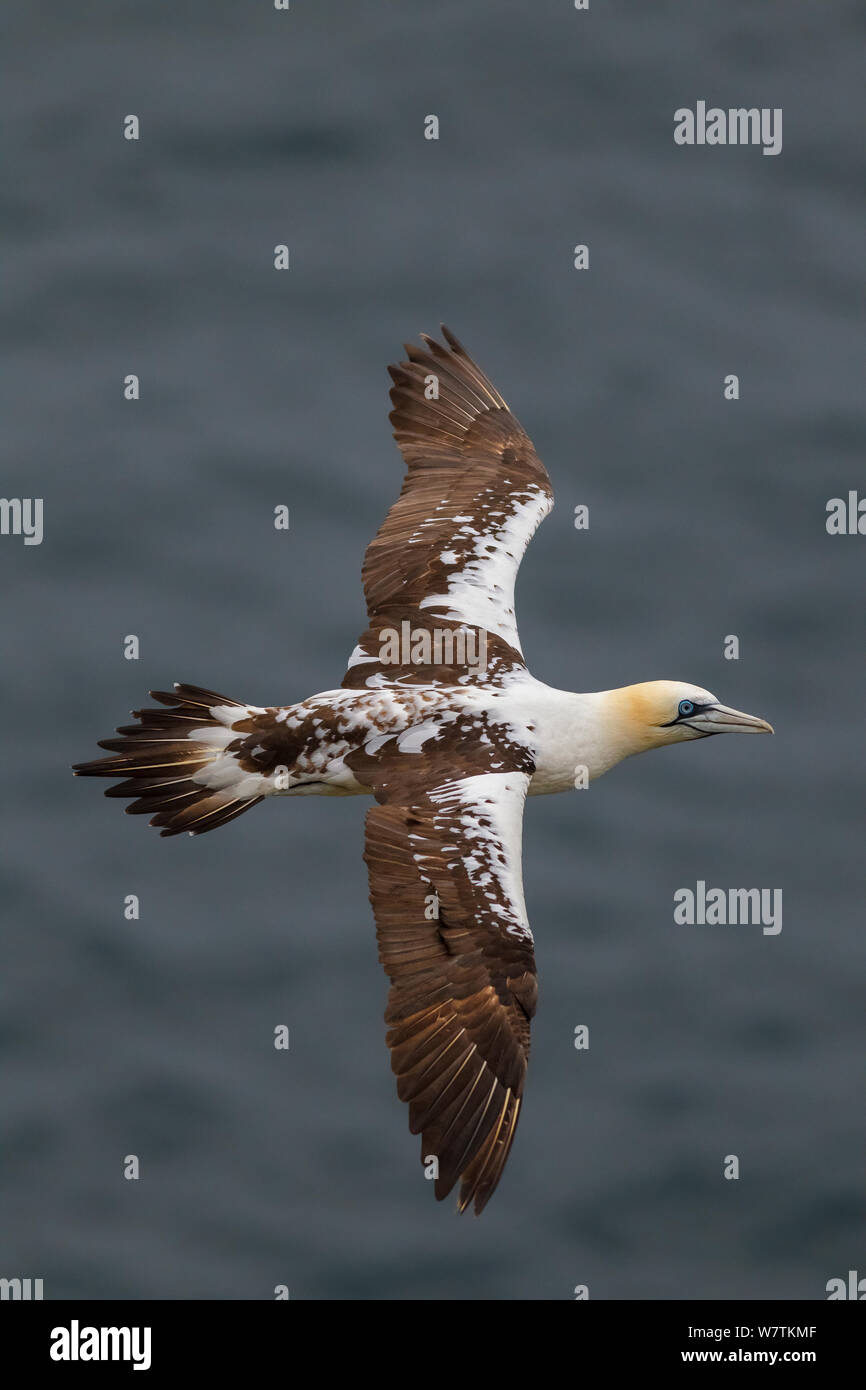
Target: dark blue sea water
point(155, 257)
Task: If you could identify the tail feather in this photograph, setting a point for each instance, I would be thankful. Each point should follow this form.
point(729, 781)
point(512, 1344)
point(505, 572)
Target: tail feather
point(168, 762)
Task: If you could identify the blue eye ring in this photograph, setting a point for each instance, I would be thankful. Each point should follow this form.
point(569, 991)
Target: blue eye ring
point(685, 708)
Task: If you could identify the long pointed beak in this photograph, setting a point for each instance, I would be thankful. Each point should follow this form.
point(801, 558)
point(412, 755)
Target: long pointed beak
point(719, 719)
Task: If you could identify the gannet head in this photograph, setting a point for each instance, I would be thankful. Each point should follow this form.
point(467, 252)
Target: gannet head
point(656, 713)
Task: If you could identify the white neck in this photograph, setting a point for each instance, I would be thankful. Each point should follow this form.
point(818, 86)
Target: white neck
point(593, 731)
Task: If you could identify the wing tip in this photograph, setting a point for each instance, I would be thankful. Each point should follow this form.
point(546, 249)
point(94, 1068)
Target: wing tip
point(481, 1178)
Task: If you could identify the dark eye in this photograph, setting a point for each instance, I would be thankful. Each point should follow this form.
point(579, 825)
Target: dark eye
point(685, 708)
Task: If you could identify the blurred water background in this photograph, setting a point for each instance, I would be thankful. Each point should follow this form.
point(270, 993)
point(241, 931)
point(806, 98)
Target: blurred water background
point(706, 518)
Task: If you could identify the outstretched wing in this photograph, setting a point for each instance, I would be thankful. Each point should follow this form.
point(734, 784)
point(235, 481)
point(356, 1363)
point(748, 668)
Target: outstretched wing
point(448, 551)
point(447, 894)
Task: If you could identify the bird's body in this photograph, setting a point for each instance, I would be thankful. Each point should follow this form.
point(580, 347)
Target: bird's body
point(309, 749)
point(439, 719)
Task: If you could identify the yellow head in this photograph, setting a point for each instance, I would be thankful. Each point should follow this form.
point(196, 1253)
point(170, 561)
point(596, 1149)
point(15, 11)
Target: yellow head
point(656, 713)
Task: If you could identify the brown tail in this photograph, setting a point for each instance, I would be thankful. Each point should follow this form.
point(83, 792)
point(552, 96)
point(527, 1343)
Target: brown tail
point(179, 762)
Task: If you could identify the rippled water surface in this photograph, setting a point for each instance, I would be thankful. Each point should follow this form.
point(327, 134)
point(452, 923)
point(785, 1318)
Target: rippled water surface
point(707, 518)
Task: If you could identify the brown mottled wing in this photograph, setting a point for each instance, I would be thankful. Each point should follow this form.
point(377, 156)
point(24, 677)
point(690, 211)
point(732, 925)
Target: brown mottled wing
point(448, 551)
point(446, 889)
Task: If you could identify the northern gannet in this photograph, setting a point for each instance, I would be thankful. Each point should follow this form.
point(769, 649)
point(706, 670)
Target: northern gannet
point(439, 719)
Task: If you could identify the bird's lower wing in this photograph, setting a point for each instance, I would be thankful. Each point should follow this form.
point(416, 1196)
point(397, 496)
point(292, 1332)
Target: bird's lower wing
point(446, 889)
point(447, 554)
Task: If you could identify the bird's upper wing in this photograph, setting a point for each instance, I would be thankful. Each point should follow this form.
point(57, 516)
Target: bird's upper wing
point(448, 551)
point(445, 883)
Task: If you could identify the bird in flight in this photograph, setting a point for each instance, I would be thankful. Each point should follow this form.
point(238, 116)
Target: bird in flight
point(437, 718)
